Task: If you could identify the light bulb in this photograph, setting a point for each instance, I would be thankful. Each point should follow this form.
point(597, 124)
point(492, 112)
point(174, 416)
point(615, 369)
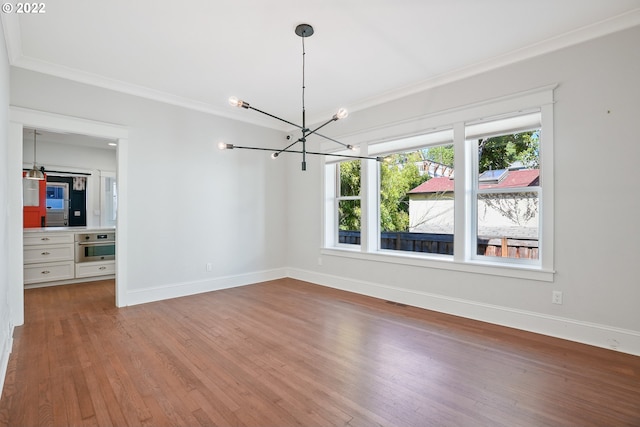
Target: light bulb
point(352, 148)
point(274, 155)
point(341, 114)
point(222, 145)
point(235, 102)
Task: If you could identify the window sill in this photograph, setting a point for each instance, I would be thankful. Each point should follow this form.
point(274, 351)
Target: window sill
point(445, 262)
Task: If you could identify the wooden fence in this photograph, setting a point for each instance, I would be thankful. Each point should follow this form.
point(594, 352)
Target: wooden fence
point(443, 244)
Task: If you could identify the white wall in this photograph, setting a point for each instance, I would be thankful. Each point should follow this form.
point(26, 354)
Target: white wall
point(188, 203)
point(56, 156)
point(6, 329)
point(596, 246)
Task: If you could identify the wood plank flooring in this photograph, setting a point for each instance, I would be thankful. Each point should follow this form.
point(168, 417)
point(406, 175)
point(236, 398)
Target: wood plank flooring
point(289, 353)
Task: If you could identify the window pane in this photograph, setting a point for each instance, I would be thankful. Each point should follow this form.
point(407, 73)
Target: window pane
point(30, 192)
point(349, 215)
point(55, 197)
point(499, 155)
point(508, 225)
point(416, 201)
point(349, 178)
point(507, 221)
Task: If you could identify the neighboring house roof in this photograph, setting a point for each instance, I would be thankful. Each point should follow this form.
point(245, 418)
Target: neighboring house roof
point(514, 178)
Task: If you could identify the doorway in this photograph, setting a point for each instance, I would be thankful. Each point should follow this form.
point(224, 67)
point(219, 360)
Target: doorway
point(19, 118)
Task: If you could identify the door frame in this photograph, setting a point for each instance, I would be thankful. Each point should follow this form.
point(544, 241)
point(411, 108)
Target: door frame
point(23, 117)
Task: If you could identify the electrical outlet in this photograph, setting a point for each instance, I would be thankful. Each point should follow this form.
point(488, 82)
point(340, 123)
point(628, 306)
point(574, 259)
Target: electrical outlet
point(319, 260)
point(556, 297)
point(209, 266)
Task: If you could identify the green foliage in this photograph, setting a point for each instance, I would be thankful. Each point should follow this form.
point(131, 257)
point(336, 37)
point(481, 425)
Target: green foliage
point(350, 178)
point(398, 175)
point(501, 151)
point(442, 154)
point(349, 211)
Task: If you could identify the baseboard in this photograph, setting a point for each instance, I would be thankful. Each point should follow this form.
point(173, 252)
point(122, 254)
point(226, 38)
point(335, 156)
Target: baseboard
point(176, 290)
point(7, 347)
point(623, 340)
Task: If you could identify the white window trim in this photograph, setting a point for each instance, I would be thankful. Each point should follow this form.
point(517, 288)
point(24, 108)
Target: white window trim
point(463, 259)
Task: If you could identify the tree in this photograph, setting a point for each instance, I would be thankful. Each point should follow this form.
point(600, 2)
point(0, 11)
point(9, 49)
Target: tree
point(398, 175)
point(349, 211)
point(499, 152)
point(442, 154)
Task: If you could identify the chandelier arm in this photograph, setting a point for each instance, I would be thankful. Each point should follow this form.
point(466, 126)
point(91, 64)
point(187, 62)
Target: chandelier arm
point(275, 150)
point(348, 156)
point(275, 117)
point(289, 146)
point(320, 127)
point(332, 140)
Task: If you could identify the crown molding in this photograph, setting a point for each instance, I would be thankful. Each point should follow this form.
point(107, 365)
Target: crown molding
point(11, 26)
point(599, 29)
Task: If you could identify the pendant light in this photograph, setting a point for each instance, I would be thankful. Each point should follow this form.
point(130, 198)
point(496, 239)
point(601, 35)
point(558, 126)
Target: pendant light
point(35, 173)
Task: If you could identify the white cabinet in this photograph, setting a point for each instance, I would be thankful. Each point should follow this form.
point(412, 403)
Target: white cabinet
point(48, 272)
point(48, 257)
point(92, 269)
point(48, 253)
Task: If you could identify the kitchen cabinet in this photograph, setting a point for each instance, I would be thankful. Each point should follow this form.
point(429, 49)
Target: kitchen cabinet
point(92, 269)
point(48, 257)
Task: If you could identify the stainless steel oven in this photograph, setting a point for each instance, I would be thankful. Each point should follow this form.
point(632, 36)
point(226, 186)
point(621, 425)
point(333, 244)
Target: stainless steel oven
point(98, 246)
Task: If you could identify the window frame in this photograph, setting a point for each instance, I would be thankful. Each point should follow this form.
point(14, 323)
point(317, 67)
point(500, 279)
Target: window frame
point(465, 237)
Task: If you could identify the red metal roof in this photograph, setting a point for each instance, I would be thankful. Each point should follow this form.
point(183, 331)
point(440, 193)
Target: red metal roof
point(515, 178)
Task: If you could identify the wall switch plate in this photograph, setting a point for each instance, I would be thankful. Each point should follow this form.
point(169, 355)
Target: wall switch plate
point(556, 297)
point(209, 266)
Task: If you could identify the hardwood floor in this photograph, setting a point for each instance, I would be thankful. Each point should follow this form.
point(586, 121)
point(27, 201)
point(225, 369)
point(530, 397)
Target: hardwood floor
point(288, 353)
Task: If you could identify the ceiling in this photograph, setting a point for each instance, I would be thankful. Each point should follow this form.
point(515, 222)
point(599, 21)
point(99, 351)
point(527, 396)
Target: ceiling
point(197, 53)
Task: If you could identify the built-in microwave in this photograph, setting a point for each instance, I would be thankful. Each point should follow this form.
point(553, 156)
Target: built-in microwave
point(100, 246)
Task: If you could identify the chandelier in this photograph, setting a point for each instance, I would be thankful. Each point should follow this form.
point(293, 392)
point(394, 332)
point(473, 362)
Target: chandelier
point(303, 31)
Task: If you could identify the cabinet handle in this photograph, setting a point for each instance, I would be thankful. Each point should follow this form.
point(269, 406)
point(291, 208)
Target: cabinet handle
point(44, 238)
point(102, 268)
point(46, 272)
point(46, 253)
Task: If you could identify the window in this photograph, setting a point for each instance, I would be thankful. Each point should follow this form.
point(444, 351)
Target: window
point(349, 212)
point(506, 186)
point(467, 194)
point(507, 190)
point(56, 196)
point(417, 200)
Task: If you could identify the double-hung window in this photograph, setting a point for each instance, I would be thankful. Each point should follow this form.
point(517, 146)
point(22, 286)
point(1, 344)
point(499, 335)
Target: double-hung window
point(465, 194)
point(506, 186)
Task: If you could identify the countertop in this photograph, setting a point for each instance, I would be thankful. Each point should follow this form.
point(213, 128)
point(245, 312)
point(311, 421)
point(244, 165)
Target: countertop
point(67, 229)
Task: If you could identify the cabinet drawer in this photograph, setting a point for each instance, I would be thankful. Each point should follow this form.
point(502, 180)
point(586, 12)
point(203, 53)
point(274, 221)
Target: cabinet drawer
point(48, 253)
point(90, 269)
point(35, 273)
point(47, 238)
